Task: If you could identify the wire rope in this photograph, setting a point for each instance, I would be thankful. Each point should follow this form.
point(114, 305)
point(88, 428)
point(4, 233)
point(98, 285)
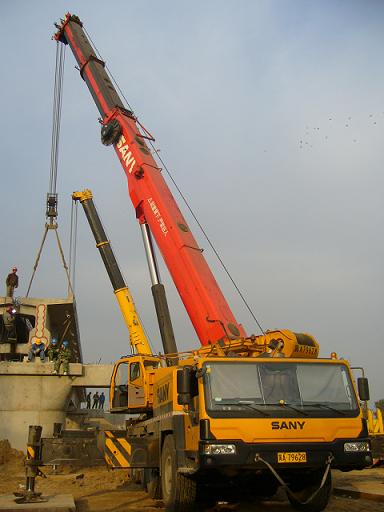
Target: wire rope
point(56, 114)
point(51, 213)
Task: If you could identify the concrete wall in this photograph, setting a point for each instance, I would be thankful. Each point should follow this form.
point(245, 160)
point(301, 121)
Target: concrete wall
point(31, 395)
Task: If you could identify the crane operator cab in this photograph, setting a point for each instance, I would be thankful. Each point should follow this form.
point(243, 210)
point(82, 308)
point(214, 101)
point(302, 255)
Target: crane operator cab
point(131, 384)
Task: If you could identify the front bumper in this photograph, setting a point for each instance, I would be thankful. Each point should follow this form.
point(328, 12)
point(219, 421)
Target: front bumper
point(248, 455)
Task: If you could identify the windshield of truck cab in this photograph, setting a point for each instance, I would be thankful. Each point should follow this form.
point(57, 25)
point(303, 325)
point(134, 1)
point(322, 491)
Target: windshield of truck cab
point(279, 389)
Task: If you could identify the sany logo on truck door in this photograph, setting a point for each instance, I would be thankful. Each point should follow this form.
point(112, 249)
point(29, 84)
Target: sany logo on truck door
point(163, 393)
point(126, 154)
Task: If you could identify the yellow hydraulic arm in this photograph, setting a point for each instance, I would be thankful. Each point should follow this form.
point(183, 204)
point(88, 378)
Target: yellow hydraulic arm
point(138, 339)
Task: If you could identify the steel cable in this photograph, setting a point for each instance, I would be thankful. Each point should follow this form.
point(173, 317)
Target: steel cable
point(56, 121)
point(56, 115)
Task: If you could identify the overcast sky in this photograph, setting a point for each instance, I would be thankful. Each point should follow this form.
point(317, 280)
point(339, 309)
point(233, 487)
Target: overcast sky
point(270, 116)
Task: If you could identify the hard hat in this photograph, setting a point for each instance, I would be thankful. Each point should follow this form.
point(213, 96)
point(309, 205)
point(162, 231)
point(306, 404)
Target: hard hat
point(65, 343)
point(53, 341)
point(14, 269)
point(37, 341)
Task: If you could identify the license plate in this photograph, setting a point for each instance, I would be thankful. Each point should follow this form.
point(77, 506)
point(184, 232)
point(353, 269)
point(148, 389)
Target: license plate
point(284, 457)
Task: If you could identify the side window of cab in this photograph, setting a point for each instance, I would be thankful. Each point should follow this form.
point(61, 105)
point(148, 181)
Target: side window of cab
point(135, 374)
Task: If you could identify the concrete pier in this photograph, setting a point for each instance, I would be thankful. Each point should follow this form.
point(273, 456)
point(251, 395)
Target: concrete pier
point(32, 395)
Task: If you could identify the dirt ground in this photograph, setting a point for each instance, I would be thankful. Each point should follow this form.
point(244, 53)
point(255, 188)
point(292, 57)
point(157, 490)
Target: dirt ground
point(99, 490)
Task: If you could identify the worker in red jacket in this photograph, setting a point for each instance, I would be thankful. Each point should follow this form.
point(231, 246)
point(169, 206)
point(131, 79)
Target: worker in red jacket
point(12, 282)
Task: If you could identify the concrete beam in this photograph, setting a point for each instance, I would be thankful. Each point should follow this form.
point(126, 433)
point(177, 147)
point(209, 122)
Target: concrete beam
point(93, 376)
point(81, 375)
point(52, 317)
point(36, 367)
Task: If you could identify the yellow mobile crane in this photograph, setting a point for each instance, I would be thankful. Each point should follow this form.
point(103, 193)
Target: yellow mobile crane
point(242, 414)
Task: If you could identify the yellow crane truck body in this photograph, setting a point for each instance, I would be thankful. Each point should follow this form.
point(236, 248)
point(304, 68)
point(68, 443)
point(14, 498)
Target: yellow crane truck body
point(239, 420)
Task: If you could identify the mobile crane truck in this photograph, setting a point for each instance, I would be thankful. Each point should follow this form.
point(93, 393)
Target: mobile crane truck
point(242, 414)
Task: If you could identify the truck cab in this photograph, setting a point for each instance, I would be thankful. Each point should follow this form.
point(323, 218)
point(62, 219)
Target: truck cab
point(131, 388)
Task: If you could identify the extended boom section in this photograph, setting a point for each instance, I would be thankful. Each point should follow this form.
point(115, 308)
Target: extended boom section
point(207, 308)
point(138, 339)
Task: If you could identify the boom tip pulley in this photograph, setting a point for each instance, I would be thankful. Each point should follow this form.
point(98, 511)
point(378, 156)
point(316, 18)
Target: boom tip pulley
point(111, 132)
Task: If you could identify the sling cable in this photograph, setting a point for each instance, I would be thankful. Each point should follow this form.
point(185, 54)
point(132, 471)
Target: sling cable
point(52, 196)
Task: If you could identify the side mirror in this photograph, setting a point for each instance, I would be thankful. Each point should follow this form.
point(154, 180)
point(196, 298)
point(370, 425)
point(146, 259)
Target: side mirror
point(363, 388)
point(187, 386)
point(184, 386)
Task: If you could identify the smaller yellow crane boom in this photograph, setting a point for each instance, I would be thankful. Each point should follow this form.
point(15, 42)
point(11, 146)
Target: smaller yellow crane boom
point(137, 337)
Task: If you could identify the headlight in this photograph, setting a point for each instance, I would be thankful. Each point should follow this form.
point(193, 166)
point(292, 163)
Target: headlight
point(219, 449)
point(357, 446)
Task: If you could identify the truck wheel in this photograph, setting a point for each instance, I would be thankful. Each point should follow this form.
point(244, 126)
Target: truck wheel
point(319, 502)
point(153, 484)
point(179, 491)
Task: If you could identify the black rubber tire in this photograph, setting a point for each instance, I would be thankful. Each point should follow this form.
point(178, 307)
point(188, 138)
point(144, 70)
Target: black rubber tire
point(319, 502)
point(178, 491)
point(153, 484)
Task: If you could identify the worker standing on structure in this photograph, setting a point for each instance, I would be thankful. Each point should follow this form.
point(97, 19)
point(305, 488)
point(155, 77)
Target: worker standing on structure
point(63, 358)
point(96, 399)
point(101, 400)
point(9, 324)
point(88, 400)
point(12, 282)
point(53, 350)
point(37, 349)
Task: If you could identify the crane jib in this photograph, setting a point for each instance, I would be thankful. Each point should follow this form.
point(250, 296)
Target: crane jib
point(152, 199)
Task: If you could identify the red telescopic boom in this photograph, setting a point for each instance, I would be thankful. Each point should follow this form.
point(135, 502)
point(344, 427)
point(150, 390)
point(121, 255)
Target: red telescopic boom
point(206, 306)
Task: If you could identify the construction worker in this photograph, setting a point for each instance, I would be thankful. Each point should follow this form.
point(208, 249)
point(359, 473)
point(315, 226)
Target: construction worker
point(88, 400)
point(53, 350)
point(37, 349)
point(101, 400)
point(9, 323)
point(63, 358)
point(12, 282)
point(95, 400)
